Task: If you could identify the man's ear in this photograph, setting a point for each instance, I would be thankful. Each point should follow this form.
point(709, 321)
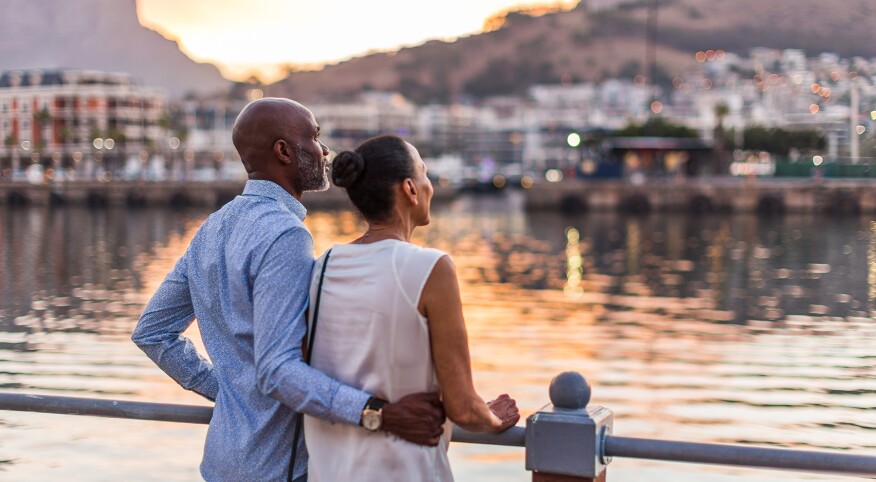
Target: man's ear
point(410, 190)
point(284, 152)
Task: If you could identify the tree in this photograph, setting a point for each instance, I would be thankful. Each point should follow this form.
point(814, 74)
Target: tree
point(720, 138)
point(11, 142)
point(656, 127)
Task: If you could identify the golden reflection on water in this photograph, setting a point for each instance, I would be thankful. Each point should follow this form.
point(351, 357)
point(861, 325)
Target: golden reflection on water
point(871, 267)
point(729, 329)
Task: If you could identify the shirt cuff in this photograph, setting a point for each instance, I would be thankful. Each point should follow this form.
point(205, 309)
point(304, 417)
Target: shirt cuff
point(210, 388)
point(348, 403)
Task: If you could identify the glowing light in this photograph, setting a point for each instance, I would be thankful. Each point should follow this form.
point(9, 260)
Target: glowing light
point(797, 79)
point(25, 145)
point(77, 156)
point(98, 143)
point(499, 181)
point(814, 108)
point(656, 107)
point(860, 129)
point(720, 54)
point(825, 91)
point(817, 160)
point(526, 182)
point(588, 166)
point(189, 155)
point(255, 94)
point(574, 263)
point(574, 140)
point(710, 55)
point(873, 115)
point(173, 142)
point(553, 175)
point(109, 144)
point(700, 56)
point(815, 88)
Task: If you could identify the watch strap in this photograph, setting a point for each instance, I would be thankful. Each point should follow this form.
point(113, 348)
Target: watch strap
point(375, 404)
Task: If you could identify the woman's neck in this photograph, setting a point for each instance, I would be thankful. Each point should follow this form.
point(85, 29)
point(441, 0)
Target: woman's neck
point(380, 232)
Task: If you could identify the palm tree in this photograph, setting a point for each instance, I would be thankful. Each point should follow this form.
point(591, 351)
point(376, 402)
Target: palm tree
point(722, 110)
point(11, 142)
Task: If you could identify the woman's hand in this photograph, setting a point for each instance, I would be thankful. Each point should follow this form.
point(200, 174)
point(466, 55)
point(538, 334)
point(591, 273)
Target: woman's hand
point(505, 409)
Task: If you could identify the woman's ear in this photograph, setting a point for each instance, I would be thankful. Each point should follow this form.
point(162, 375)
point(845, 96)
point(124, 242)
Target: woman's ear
point(410, 190)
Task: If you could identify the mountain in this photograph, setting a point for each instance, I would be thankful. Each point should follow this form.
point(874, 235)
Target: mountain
point(591, 44)
point(101, 35)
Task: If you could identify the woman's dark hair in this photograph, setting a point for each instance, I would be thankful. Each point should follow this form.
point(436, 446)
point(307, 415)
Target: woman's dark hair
point(371, 172)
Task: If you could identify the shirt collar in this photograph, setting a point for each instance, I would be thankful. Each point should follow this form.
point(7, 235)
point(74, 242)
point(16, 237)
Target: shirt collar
point(272, 190)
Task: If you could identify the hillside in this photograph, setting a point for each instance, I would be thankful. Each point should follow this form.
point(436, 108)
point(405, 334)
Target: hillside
point(101, 35)
point(586, 46)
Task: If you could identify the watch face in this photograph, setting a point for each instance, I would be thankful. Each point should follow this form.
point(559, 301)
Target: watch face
point(371, 419)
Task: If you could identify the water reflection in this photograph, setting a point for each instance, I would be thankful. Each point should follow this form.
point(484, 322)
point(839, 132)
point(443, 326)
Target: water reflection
point(710, 328)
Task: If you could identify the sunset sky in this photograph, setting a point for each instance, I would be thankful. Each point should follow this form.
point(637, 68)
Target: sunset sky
point(246, 36)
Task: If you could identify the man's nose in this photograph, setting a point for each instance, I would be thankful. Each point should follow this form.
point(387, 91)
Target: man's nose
point(325, 149)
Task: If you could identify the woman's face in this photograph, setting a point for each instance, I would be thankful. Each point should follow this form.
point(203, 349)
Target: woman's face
point(424, 188)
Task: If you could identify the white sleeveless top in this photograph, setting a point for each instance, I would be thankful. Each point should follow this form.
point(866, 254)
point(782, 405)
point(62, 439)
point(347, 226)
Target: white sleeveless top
point(371, 336)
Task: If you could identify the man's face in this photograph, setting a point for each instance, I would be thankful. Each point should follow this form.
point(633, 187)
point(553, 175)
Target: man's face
point(311, 155)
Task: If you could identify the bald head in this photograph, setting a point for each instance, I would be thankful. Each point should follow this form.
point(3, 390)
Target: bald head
point(261, 123)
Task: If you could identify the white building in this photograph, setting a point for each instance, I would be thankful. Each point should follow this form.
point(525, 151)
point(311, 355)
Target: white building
point(62, 118)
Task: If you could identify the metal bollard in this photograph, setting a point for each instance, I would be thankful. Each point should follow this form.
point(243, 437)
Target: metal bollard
point(565, 439)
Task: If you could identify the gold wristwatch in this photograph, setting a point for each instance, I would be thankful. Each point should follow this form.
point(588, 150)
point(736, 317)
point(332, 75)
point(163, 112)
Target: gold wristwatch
point(372, 414)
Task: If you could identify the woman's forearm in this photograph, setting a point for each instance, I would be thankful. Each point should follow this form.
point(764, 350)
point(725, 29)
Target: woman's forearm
point(472, 414)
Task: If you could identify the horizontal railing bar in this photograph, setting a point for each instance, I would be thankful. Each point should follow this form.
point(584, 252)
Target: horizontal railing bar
point(720, 454)
point(717, 454)
point(513, 437)
point(161, 412)
point(166, 412)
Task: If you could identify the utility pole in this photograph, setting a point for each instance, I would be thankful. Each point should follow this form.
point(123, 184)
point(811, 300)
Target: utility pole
point(651, 43)
point(853, 122)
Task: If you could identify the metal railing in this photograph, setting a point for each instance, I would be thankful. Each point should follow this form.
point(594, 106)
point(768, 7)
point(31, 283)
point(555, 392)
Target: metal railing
point(566, 437)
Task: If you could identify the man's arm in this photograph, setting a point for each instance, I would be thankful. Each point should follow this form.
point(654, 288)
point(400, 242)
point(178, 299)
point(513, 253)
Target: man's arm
point(280, 293)
point(158, 334)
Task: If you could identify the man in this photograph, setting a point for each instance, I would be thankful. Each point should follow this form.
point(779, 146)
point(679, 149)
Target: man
point(245, 277)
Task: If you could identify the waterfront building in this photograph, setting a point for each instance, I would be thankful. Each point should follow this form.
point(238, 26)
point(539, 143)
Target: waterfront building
point(81, 123)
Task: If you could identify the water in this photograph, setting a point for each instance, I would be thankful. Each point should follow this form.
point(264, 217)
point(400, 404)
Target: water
point(728, 329)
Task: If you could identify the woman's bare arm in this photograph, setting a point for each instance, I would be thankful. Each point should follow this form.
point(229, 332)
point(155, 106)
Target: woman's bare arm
point(442, 305)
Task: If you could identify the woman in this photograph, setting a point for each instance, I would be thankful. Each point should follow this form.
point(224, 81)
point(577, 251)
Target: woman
point(390, 322)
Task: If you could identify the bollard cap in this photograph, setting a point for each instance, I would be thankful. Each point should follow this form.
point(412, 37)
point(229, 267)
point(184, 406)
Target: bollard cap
point(570, 390)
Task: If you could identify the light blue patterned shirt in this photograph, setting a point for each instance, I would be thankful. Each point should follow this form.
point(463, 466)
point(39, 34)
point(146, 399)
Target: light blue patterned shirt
point(245, 277)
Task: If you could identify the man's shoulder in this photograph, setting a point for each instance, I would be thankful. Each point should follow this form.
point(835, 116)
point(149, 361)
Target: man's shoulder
point(264, 218)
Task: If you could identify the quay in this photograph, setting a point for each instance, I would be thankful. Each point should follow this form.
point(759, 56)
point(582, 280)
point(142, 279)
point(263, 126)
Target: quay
point(707, 195)
point(176, 194)
point(565, 441)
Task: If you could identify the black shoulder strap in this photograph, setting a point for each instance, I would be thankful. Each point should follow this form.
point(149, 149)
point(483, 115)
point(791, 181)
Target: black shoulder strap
point(311, 337)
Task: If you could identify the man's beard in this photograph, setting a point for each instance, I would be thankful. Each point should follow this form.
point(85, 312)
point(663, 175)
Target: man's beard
point(311, 175)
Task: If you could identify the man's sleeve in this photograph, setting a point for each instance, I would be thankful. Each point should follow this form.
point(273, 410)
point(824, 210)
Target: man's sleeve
point(280, 300)
point(159, 334)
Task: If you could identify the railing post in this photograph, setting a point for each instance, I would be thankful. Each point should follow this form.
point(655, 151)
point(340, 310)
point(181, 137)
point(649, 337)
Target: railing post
point(564, 440)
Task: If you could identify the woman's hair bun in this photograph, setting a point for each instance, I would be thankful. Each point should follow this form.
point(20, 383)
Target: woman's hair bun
point(347, 168)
